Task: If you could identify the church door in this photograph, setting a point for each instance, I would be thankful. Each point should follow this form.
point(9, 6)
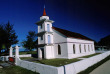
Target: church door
point(42, 49)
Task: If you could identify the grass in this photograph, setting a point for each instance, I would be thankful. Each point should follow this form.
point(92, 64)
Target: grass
point(53, 62)
point(26, 58)
point(15, 70)
point(57, 62)
point(28, 52)
point(88, 56)
point(90, 69)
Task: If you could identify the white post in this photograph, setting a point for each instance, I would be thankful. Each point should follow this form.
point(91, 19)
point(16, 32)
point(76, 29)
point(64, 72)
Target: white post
point(39, 53)
point(16, 54)
point(16, 51)
point(11, 52)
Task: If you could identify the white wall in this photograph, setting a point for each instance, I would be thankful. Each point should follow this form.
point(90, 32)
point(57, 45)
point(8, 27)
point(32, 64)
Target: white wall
point(58, 39)
point(64, 53)
point(49, 52)
point(40, 68)
point(72, 68)
point(77, 43)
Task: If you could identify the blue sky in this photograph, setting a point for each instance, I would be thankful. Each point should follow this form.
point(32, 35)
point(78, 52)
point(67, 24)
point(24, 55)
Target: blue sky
point(89, 18)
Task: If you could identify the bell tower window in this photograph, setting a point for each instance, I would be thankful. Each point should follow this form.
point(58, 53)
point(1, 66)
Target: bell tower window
point(41, 26)
point(49, 39)
point(41, 37)
point(48, 27)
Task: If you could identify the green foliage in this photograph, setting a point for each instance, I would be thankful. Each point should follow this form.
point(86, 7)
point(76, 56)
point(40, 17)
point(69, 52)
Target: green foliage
point(8, 36)
point(105, 41)
point(31, 41)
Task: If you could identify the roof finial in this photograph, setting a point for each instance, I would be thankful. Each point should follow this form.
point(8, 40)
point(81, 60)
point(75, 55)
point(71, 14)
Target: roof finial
point(44, 13)
point(44, 5)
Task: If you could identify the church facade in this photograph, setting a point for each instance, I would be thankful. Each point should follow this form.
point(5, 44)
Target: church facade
point(54, 42)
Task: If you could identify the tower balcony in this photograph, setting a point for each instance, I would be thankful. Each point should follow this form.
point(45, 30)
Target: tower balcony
point(44, 32)
point(42, 45)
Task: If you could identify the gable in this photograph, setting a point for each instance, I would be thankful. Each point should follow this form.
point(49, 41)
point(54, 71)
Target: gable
point(71, 34)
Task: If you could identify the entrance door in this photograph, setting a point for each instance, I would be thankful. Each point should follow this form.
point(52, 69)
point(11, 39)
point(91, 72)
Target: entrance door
point(42, 49)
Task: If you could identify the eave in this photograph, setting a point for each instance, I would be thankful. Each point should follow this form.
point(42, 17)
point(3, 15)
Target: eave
point(42, 45)
point(44, 20)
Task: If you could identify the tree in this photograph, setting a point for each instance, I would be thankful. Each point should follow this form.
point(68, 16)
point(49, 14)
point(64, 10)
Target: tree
point(2, 37)
point(8, 36)
point(105, 41)
point(31, 41)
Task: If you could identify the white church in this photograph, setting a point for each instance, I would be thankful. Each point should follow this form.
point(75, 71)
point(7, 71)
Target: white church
point(59, 43)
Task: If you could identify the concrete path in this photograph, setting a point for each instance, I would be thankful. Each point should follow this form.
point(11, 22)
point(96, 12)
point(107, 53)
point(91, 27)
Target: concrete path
point(103, 69)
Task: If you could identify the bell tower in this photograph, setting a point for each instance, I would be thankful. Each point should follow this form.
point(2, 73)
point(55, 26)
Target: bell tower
point(45, 37)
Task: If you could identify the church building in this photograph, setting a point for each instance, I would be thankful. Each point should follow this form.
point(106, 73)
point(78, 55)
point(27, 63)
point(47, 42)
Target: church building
point(55, 42)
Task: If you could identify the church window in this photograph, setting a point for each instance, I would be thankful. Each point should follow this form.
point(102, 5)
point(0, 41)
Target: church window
point(80, 48)
point(49, 39)
point(85, 48)
point(74, 48)
point(91, 47)
point(88, 48)
point(48, 27)
point(59, 50)
point(41, 26)
point(42, 37)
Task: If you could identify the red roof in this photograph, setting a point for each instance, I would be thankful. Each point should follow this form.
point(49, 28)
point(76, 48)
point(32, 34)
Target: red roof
point(44, 13)
point(71, 34)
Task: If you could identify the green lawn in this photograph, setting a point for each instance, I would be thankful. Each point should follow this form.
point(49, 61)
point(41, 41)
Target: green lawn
point(15, 70)
point(53, 62)
point(28, 52)
point(26, 58)
point(88, 56)
point(57, 62)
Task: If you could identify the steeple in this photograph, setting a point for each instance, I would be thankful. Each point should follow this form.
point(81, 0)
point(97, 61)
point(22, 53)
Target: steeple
point(44, 13)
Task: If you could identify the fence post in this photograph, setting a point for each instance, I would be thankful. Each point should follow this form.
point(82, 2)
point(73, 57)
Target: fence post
point(16, 54)
point(11, 52)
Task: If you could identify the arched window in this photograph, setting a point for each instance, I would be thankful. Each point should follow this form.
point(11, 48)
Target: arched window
point(49, 39)
point(85, 48)
point(80, 48)
point(74, 48)
point(59, 50)
point(48, 27)
point(88, 48)
point(91, 47)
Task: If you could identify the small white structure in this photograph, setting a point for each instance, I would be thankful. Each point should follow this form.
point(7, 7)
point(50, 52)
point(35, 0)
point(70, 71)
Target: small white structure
point(11, 52)
point(59, 43)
